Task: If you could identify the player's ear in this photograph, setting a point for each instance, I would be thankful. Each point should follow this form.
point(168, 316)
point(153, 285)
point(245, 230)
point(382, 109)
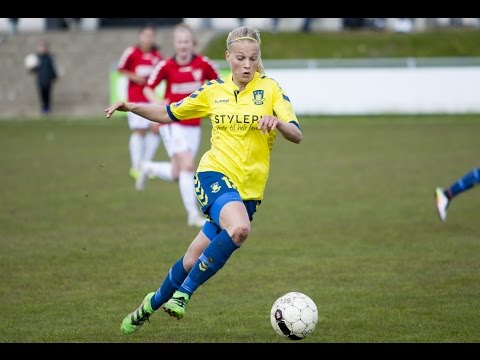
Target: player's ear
point(227, 54)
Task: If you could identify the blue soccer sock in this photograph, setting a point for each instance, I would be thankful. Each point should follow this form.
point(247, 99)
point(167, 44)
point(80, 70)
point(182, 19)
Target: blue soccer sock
point(175, 277)
point(464, 183)
point(212, 259)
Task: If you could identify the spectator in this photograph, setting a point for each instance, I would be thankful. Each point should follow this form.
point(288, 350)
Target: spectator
point(206, 23)
point(73, 24)
point(307, 24)
point(403, 25)
point(353, 23)
point(375, 23)
point(46, 75)
point(13, 25)
point(275, 24)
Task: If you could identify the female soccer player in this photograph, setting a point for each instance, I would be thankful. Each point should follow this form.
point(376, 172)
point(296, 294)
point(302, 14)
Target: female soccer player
point(184, 73)
point(247, 109)
point(443, 197)
point(137, 63)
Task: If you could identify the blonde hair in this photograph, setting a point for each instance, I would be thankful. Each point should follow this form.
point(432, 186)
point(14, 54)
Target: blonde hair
point(184, 26)
point(249, 34)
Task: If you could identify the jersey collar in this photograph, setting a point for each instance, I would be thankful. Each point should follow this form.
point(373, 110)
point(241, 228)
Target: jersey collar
point(174, 57)
point(249, 85)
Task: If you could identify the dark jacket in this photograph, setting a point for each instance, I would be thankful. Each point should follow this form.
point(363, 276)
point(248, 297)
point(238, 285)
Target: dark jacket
point(45, 70)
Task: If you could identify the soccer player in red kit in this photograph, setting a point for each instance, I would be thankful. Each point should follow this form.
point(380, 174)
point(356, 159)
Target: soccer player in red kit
point(137, 63)
point(184, 72)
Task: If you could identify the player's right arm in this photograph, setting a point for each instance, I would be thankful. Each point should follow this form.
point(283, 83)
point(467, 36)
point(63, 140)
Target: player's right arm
point(196, 105)
point(153, 112)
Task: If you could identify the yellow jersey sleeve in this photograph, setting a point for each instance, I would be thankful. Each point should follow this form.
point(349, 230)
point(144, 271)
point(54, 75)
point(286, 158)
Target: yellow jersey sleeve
point(196, 105)
point(282, 107)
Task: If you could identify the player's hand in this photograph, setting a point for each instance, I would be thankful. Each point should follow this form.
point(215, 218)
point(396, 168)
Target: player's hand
point(140, 80)
point(267, 123)
point(118, 106)
point(154, 128)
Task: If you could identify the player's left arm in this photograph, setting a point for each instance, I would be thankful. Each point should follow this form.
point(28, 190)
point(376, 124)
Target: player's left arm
point(289, 130)
point(284, 118)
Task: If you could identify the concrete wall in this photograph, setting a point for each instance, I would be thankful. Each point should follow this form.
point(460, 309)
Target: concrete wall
point(381, 90)
point(83, 61)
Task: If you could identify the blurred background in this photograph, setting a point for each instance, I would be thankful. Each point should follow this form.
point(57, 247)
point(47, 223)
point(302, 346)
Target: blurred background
point(86, 51)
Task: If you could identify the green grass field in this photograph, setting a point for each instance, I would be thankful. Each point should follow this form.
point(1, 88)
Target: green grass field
point(348, 218)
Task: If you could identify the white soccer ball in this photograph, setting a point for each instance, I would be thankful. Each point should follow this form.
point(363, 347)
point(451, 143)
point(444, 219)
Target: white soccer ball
point(294, 316)
point(31, 61)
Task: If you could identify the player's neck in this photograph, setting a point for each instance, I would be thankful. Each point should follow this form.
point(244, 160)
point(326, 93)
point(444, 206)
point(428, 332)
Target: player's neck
point(241, 86)
point(145, 49)
point(184, 60)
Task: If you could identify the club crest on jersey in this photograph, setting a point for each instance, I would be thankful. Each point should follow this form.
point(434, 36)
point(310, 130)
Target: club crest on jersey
point(215, 187)
point(258, 98)
point(197, 74)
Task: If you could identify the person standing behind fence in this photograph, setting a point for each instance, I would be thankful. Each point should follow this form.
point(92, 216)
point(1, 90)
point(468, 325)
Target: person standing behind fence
point(46, 75)
point(137, 63)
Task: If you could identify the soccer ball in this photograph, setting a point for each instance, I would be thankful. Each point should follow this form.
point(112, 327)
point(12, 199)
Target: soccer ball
point(31, 61)
point(294, 316)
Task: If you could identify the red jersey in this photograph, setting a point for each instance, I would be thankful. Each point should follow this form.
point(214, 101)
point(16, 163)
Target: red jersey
point(182, 80)
point(141, 63)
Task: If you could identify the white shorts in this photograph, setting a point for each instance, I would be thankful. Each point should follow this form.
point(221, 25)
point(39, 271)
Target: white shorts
point(137, 122)
point(179, 138)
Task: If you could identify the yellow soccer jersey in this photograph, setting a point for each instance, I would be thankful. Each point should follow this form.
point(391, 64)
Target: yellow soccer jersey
point(239, 150)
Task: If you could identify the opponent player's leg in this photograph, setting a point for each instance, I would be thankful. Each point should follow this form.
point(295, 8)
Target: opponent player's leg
point(139, 127)
point(185, 163)
point(165, 170)
point(174, 278)
point(191, 136)
point(182, 143)
point(152, 141)
point(443, 197)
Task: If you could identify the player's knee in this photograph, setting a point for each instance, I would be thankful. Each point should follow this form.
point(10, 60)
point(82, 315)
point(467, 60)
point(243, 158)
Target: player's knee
point(175, 174)
point(240, 233)
point(188, 261)
point(188, 166)
point(140, 131)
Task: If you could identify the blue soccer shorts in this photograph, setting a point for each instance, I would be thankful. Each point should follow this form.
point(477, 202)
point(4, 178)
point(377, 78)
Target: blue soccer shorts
point(214, 190)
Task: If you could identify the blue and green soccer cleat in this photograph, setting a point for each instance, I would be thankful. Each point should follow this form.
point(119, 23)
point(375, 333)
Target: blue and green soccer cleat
point(134, 320)
point(176, 305)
